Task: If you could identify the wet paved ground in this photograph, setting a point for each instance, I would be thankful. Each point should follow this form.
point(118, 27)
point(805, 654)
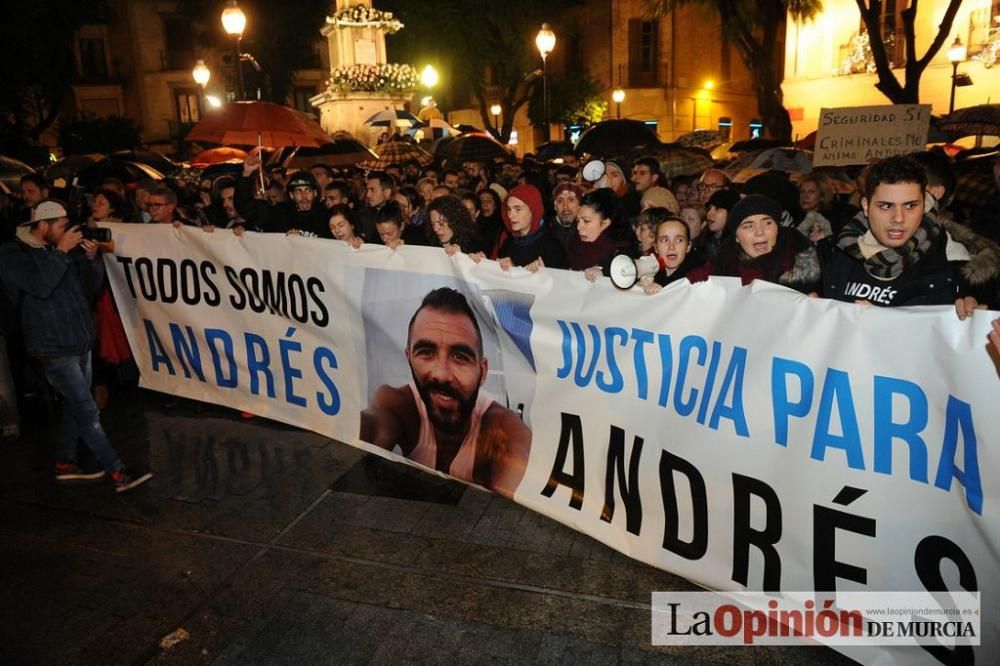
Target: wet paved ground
point(268, 544)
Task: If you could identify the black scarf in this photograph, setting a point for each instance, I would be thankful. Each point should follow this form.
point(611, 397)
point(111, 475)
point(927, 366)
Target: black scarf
point(890, 262)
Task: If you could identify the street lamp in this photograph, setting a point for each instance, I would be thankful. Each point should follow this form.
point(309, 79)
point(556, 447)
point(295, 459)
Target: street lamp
point(618, 96)
point(429, 77)
point(234, 22)
point(956, 54)
point(545, 40)
point(495, 110)
point(201, 73)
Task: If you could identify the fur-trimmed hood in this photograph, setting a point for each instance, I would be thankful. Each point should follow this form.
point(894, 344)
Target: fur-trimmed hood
point(983, 265)
point(805, 272)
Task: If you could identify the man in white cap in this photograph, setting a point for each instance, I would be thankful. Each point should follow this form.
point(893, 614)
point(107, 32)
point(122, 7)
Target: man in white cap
point(43, 274)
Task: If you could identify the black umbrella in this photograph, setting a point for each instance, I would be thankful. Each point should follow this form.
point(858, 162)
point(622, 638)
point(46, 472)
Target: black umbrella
point(11, 171)
point(983, 119)
point(90, 178)
point(158, 161)
point(343, 150)
point(616, 137)
point(553, 149)
point(476, 147)
point(755, 144)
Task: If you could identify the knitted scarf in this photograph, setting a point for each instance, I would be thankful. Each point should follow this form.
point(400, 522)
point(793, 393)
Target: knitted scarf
point(890, 262)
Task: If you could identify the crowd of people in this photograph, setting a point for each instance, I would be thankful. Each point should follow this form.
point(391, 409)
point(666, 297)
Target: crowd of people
point(894, 241)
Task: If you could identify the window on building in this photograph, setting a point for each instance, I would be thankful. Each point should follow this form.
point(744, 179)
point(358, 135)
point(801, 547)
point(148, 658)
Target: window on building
point(891, 23)
point(188, 102)
point(981, 23)
point(643, 47)
point(93, 61)
point(178, 43)
point(300, 98)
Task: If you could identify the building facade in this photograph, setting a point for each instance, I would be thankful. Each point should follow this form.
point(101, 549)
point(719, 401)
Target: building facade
point(826, 64)
point(136, 60)
point(677, 72)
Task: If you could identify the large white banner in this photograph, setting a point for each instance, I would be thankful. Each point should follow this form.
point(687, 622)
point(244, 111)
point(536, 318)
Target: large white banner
point(741, 437)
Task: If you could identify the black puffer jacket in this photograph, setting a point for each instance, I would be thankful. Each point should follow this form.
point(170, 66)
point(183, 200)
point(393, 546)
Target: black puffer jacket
point(959, 263)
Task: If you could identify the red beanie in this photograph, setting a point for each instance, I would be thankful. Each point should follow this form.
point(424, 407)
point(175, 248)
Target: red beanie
point(530, 195)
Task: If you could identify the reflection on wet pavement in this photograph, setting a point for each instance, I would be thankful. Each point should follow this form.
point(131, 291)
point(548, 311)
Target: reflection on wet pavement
point(271, 544)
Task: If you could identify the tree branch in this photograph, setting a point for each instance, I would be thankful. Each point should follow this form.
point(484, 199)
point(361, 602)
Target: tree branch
point(944, 29)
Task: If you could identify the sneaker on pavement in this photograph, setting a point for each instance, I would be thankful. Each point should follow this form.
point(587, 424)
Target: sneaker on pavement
point(73, 472)
point(124, 479)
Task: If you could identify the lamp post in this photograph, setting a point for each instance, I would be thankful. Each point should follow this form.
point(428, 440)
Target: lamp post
point(956, 54)
point(201, 75)
point(495, 110)
point(545, 40)
point(618, 96)
point(234, 21)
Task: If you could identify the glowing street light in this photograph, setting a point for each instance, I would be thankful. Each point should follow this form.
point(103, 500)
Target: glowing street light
point(495, 110)
point(618, 96)
point(201, 73)
point(545, 40)
point(956, 55)
point(429, 77)
point(234, 22)
point(213, 101)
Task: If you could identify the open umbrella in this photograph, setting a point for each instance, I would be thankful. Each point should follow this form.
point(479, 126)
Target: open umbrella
point(253, 123)
point(11, 171)
point(393, 118)
point(217, 155)
point(615, 137)
point(158, 161)
point(676, 160)
point(398, 152)
point(343, 150)
point(751, 145)
point(69, 166)
point(790, 160)
point(983, 119)
point(91, 177)
point(474, 147)
point(707, 139)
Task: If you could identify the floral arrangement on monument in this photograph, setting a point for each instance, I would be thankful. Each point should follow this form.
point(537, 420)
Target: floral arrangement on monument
point(388, 78)
point(363, 16)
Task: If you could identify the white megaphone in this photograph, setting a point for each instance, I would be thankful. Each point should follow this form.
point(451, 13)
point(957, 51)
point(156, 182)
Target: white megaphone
point(626, 271)
point(593, 171)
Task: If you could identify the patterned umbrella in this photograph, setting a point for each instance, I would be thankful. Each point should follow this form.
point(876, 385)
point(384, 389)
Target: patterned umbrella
point(609, 138)
point(707, 139)
point(974, 180)
point(247, 123)
point(980, 120)
point(676, 160)
point(790, 160)
point(392, 118)
point(751, 145)
point(398, 152)
point(474, 147)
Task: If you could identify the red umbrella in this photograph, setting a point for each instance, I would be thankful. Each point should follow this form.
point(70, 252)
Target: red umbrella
point(250, 123)
point(217, 155)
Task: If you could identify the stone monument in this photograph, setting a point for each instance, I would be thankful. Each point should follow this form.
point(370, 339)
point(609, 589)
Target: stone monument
point(361, 82)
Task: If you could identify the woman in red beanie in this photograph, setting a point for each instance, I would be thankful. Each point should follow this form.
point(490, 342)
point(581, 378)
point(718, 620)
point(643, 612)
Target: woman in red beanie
point(524, 241)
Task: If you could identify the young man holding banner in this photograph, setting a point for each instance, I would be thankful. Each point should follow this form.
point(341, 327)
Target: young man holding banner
point(892, 253)
point(442, 419)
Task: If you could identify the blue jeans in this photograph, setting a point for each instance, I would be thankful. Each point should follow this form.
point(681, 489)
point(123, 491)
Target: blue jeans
point(71, 377)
